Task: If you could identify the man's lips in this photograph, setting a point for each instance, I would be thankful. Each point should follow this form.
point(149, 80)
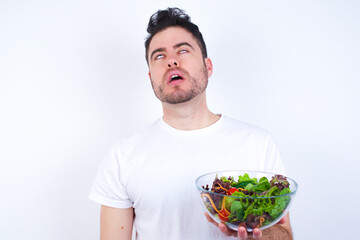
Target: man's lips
point(174, 76)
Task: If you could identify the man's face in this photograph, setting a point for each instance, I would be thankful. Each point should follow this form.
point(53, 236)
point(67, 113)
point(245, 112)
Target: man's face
point(177, 69)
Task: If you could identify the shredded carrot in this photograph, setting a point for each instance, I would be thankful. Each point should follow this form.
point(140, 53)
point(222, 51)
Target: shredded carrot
point(213, 205)
point(241, 189)
point(222, 187)
point(223, 206)
point(262, 220)
point(211, 201)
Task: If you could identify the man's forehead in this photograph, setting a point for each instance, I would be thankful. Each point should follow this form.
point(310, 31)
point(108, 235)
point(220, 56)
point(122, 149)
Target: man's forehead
point(171, 37)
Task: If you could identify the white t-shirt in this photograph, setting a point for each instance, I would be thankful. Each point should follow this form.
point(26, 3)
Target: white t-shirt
point(154, 171)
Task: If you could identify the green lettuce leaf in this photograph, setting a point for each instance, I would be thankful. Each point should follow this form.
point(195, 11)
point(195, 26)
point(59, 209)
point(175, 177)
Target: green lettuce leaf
point(250, 186)
point(262, 186)
point(280, 203)
point(244, 180)
point(236, 211)
point(274, 191)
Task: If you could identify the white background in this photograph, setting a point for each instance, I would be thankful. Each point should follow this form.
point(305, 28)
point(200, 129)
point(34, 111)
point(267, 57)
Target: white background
point(73, 79)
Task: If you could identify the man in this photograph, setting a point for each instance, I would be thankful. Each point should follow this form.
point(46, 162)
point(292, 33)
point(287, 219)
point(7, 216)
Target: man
point(149, 177)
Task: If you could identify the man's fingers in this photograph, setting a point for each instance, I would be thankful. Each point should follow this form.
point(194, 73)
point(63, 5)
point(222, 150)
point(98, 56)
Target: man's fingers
point(257, 234)
point(221, 226)
point(242, 234)
point(283, 220)
point(226, 231)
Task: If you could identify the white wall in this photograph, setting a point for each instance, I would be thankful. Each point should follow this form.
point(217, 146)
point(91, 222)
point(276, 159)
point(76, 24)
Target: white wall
point(73, 79)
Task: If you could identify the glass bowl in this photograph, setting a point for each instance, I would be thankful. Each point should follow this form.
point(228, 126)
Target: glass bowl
point(256, 199)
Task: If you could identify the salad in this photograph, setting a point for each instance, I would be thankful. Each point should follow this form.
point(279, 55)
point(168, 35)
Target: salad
point(253, 202)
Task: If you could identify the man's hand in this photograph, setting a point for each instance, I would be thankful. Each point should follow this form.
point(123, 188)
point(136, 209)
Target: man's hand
point(242, 234)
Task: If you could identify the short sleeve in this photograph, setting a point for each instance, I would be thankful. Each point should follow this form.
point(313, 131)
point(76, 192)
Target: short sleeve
point(107, 188)
point(273, 161)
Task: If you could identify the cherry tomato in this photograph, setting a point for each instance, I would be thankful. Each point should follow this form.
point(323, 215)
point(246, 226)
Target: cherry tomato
point(231, 191)
point(223, 215)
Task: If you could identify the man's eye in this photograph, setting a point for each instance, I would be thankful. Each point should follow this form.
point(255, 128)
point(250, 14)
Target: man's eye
point(184, 51)
point(159, 56)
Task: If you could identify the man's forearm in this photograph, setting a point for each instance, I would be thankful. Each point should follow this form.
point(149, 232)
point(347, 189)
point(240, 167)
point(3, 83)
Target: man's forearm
point(277, 232)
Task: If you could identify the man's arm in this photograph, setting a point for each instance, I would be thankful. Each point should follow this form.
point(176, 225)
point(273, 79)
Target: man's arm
point(279, 231)
point(116, 223)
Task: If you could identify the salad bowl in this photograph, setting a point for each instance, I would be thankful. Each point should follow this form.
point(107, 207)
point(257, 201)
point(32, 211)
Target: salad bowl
point(252, 199)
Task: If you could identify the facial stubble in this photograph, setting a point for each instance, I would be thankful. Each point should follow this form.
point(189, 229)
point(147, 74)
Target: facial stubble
point(178, 95)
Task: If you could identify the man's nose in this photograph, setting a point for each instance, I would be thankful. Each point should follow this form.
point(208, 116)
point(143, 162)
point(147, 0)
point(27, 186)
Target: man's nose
point(173, 63)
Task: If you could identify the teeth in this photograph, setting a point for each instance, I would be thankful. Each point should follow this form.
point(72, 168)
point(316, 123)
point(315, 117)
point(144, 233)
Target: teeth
point(175, 77)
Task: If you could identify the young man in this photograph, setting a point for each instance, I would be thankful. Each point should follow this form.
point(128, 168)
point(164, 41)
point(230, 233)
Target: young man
point(149, 177)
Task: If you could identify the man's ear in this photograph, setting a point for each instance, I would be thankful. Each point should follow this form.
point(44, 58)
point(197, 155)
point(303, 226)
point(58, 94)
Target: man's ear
point(149, 75)
point(209, 66)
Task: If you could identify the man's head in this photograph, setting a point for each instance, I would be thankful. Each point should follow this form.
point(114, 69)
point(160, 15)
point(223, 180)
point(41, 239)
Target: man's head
point(178, 70)
point(172, 17)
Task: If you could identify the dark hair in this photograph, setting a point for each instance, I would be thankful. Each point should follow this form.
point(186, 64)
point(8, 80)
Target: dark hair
point(163, 19)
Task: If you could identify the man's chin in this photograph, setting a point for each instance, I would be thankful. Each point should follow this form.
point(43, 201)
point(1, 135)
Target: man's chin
point(178, 98)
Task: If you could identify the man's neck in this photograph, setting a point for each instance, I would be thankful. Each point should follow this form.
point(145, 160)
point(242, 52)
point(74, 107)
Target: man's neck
point(190, 115)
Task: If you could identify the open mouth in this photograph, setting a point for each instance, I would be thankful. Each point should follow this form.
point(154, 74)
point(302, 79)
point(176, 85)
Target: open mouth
point(175, 77)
